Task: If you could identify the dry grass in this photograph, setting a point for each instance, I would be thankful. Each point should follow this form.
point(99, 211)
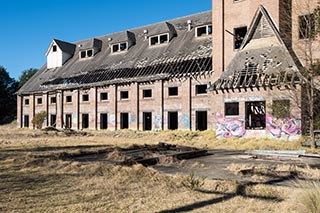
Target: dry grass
point(34, 177)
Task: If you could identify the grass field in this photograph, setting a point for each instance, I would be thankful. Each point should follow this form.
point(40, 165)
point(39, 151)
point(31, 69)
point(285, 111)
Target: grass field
point(34, 178)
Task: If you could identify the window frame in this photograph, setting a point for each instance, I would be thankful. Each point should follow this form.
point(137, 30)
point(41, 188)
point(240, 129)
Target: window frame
point(119, 49)
point(53, 98)
point(172, 88)
point(102, 94)
point(207, 32)
point(145, 95)
point(306, 30)
point(201, 86)
point(231, 114)
point(68, 98)
point(84, 53)
point(158, 39)
point(235, 35)
point(85, 97)
point(26, 102)
point(54, 48)
point(39, 101)
point(123, 96)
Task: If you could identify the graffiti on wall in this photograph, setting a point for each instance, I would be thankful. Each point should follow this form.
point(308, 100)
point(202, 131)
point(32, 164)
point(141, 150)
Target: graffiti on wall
point(112, 120)
point(283, 126)
point(74, 119)
point(227, 128)
point(157, 121)
point(184, 121)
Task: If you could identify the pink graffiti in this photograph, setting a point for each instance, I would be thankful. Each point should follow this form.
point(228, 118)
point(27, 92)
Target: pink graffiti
point(229, 127)
point(287, 126)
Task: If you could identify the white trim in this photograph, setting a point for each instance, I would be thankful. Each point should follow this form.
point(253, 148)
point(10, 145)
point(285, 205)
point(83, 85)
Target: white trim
point(158, 36)
point(207, 30)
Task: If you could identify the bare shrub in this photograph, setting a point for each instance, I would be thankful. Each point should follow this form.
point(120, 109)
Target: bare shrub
point(39, 119)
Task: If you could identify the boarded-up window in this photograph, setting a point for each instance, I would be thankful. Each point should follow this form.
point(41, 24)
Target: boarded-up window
point(281, 108)
point(231, 108)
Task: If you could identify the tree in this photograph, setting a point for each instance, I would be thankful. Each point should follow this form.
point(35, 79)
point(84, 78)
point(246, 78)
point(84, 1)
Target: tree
point(26, 75)
point(8, 86)
point(308, 26)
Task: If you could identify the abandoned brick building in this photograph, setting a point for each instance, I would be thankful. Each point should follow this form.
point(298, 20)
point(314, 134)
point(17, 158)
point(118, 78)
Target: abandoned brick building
point(212, 70)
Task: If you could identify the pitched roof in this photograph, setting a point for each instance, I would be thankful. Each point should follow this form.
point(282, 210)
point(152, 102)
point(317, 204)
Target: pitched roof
point(182, 56)
point(262, 61)
point(65, 46)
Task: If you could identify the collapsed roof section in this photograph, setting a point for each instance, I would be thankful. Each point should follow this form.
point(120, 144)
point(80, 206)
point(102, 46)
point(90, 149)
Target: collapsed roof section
point(182, 57)
point(262, 61)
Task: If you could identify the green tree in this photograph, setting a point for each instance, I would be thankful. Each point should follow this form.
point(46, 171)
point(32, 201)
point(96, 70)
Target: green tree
point(8, 106)
point(26, 75)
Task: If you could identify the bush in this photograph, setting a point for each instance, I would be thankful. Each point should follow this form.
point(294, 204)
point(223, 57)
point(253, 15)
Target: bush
point(193, 183)
point(38, 119)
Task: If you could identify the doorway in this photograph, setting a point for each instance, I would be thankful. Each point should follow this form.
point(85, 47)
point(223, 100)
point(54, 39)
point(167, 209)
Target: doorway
point(201, 120)
point(53, 120)
point(124, 120)
point(26, 121)
point(85, 121)
point(68, 123)
point(147, 121)
point(103, 121)
point(172, 120)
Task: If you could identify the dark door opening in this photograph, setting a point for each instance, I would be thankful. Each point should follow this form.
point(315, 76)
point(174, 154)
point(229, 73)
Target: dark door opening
point(68, 122)
point(85, 121)
point(124, 120)
point(256, 115)
point(201, 120)
point(26, 121)
point(103, 121)
point(147, 121)
point(53, 120)
point(172, 120)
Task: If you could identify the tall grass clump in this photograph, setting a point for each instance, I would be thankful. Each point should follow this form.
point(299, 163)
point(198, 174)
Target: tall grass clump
point(309, 198)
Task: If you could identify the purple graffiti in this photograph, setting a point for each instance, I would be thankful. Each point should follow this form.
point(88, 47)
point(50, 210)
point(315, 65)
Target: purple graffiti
point(229, 127)
point(286, 126)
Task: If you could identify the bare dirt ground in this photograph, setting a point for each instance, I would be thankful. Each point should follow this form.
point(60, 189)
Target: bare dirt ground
point(36, 177)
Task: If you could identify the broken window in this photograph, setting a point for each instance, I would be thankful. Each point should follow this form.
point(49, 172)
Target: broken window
point(281, 108)
point(124, 95)
point(204, 30)
point(172, 120)
point(124, 120)
point(54, 48)
point(201, 120)
point(53, 120)
point(119, 47)
point(68, 122)
point(147, 93)
point(159, 39)
point(147, 121)
point(82, 54)
point(173, 91)
point(86, 53)
point(39, 100)
point(26, 102)
point(164, 38)
point(53, 100)
point(255, 115)
point(26, 121)
point(307, 25)
point(239, 34)
point(103, 121)
point(85, 121)
point(68, 98)
point(201, 89)
point(85, 97)
point(103, 96)
point(231, 108)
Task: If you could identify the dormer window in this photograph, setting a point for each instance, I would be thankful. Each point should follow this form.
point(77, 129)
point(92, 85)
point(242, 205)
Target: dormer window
point(159, 39)
point(203, 30)
point(119, 47)
point(86, 53)
point(54, 48)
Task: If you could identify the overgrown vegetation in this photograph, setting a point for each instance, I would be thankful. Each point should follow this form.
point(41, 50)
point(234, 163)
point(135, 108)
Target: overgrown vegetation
point(38, 119)
point(191, 182)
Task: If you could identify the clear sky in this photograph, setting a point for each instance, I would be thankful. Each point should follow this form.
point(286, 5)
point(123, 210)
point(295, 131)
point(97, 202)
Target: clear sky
point(28, 26)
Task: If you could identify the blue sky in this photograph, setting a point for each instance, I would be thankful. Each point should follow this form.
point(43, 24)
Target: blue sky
point(28, 26)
